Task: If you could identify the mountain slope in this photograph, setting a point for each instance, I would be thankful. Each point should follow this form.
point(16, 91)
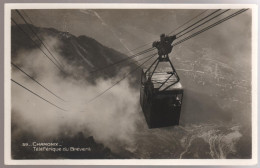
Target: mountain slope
point(83, 53)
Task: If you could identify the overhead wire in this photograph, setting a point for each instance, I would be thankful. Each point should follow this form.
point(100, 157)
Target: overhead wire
point(122, 60)
point(199, 21)
point(139, 47)
point(35, 44)
point(37, 95)
point(188, 21)
point(139, 59)
point(211, 26)
point(17, 67)
point(133, 62)
point(126, 75)
point(35, 34)
point(27, 16)
point(203, 23)
point(170, 32)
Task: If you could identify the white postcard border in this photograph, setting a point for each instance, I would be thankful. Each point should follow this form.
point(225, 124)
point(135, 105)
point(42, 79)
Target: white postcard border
point(7, 86)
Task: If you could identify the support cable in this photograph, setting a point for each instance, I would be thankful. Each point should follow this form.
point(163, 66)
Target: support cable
point(203, 23)
point(36, 81)
point(27, 16)
point(139, 47)
point(188, 21)
point(126, 75)
point(199, 21)
point(44, 45)
point(170, 32)
point(122, 60)
point(211, 26)
point(37, 95)
point(36, 44)
point(130, 63)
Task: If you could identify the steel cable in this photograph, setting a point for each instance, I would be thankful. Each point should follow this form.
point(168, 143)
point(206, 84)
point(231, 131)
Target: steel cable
point(37, 95)
point(36, 44)
point(210, 26)
point(126, 75)
point(36, 81)
point(44, 45)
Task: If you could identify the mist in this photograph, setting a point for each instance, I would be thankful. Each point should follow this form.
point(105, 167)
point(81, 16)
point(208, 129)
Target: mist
point(110, 118)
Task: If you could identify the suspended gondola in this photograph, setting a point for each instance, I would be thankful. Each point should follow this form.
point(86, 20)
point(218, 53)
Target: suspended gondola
point(161, 91)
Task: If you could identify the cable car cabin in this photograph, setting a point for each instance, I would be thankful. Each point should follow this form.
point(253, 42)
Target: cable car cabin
point(161, 92)
point(161, 98)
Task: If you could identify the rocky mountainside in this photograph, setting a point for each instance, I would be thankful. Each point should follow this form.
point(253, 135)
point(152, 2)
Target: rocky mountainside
point(85, 54)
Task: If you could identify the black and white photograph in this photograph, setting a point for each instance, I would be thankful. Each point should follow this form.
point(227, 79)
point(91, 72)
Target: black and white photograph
point(122, 83)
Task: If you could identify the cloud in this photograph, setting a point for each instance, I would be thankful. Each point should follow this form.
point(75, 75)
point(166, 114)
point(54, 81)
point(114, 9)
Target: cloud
point(110, 118)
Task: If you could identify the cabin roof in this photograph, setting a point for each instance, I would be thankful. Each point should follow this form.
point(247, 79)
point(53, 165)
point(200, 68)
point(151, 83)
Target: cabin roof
point(159, 77)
